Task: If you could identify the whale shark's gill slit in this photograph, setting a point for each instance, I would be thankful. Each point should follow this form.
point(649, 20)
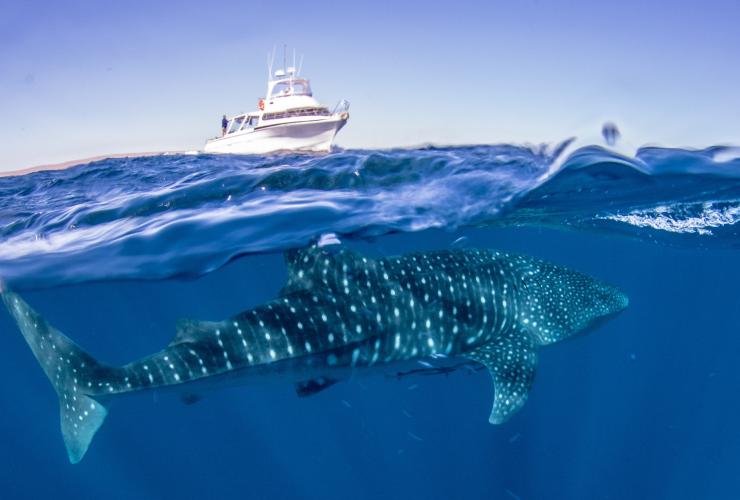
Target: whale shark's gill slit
point(512, 361)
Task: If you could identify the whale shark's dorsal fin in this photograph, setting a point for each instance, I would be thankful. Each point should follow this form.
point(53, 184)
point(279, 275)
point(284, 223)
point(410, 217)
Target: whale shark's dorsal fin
point(188, 330)
point(321, 267)
point(304, 265)
point(512, 361)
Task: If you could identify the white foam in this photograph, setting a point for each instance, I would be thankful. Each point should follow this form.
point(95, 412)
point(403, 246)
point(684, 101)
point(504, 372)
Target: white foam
point(676, 220)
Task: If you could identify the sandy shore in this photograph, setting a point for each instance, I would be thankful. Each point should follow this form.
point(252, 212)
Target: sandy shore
point(73, 163)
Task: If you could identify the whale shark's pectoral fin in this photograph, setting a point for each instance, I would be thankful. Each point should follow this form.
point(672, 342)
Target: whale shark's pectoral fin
point(313, 386)
point(512, 361)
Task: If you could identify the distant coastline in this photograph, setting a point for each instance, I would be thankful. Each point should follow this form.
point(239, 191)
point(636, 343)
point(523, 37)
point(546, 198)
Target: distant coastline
point(74, 163)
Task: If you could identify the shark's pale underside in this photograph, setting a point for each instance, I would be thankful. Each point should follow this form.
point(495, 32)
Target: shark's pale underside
point(342, 313)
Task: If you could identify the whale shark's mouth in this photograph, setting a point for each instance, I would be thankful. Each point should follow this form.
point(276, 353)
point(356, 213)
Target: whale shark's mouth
point(596, 323)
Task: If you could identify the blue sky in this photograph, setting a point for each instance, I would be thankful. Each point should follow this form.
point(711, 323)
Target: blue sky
point(79, 79)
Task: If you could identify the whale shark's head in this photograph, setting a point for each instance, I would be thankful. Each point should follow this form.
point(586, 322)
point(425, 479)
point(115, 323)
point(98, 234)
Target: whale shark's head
point(562, 302)
point(604, 302)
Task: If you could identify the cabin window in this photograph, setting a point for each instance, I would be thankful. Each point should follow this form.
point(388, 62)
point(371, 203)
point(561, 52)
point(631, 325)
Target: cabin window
point(281, 89)
point(236, 124)
point(301, 88)
point(249, 122)
point(286, 88)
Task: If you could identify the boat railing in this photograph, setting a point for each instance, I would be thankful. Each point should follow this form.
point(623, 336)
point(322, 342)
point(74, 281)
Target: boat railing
point(296, 112)
point(341, 106)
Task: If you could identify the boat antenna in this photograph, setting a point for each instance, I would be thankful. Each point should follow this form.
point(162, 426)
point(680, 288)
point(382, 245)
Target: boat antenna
point(285, 56)
point(292, 74)
point(271, 60)
point(300, 65)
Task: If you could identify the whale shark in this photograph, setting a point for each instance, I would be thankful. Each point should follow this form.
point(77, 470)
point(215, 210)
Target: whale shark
point(342, 313)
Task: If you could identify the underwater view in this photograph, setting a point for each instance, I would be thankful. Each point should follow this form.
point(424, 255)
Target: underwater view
point(484, 322)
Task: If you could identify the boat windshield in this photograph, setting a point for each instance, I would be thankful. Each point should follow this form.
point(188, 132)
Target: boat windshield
point(241, 123)
point(235, 124)
point(289, 88)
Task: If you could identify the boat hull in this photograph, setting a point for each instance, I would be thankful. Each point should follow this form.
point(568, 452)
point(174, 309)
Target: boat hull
point(315, 135)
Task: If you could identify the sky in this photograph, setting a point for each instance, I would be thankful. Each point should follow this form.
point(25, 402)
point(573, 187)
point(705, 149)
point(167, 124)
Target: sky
point(80, 78)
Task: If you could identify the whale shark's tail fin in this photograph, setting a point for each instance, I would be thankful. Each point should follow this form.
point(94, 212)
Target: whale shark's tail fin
point(562, 303)
point(76, 376)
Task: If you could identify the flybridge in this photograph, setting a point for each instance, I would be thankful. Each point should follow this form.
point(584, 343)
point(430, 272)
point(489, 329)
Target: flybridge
point(297, 121)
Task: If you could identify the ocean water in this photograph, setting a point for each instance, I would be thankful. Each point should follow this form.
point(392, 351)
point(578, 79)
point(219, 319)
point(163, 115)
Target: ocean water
point(115, 252)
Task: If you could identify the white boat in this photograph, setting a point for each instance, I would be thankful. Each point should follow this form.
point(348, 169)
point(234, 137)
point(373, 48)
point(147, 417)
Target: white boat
point(288, 119)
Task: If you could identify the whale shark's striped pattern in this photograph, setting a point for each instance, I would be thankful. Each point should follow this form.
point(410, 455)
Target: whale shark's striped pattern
point(340, 312)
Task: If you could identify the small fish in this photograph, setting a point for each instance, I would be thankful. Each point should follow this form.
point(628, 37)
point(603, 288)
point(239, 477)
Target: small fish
point(413, 386)
point(514, 438)
point(461, 241)
point(407, 414)
point(346, 403)
point(425, 364)
point(415, 437)
point(513, 495)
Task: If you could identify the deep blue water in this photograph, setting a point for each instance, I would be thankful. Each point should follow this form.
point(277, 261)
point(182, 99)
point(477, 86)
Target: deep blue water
point(113, 253)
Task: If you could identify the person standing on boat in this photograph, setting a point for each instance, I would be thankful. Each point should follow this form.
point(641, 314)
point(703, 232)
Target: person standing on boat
point(224, 124)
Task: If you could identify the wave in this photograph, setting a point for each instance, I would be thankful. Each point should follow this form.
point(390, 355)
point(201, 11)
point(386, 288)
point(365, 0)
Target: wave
point(184, 215)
